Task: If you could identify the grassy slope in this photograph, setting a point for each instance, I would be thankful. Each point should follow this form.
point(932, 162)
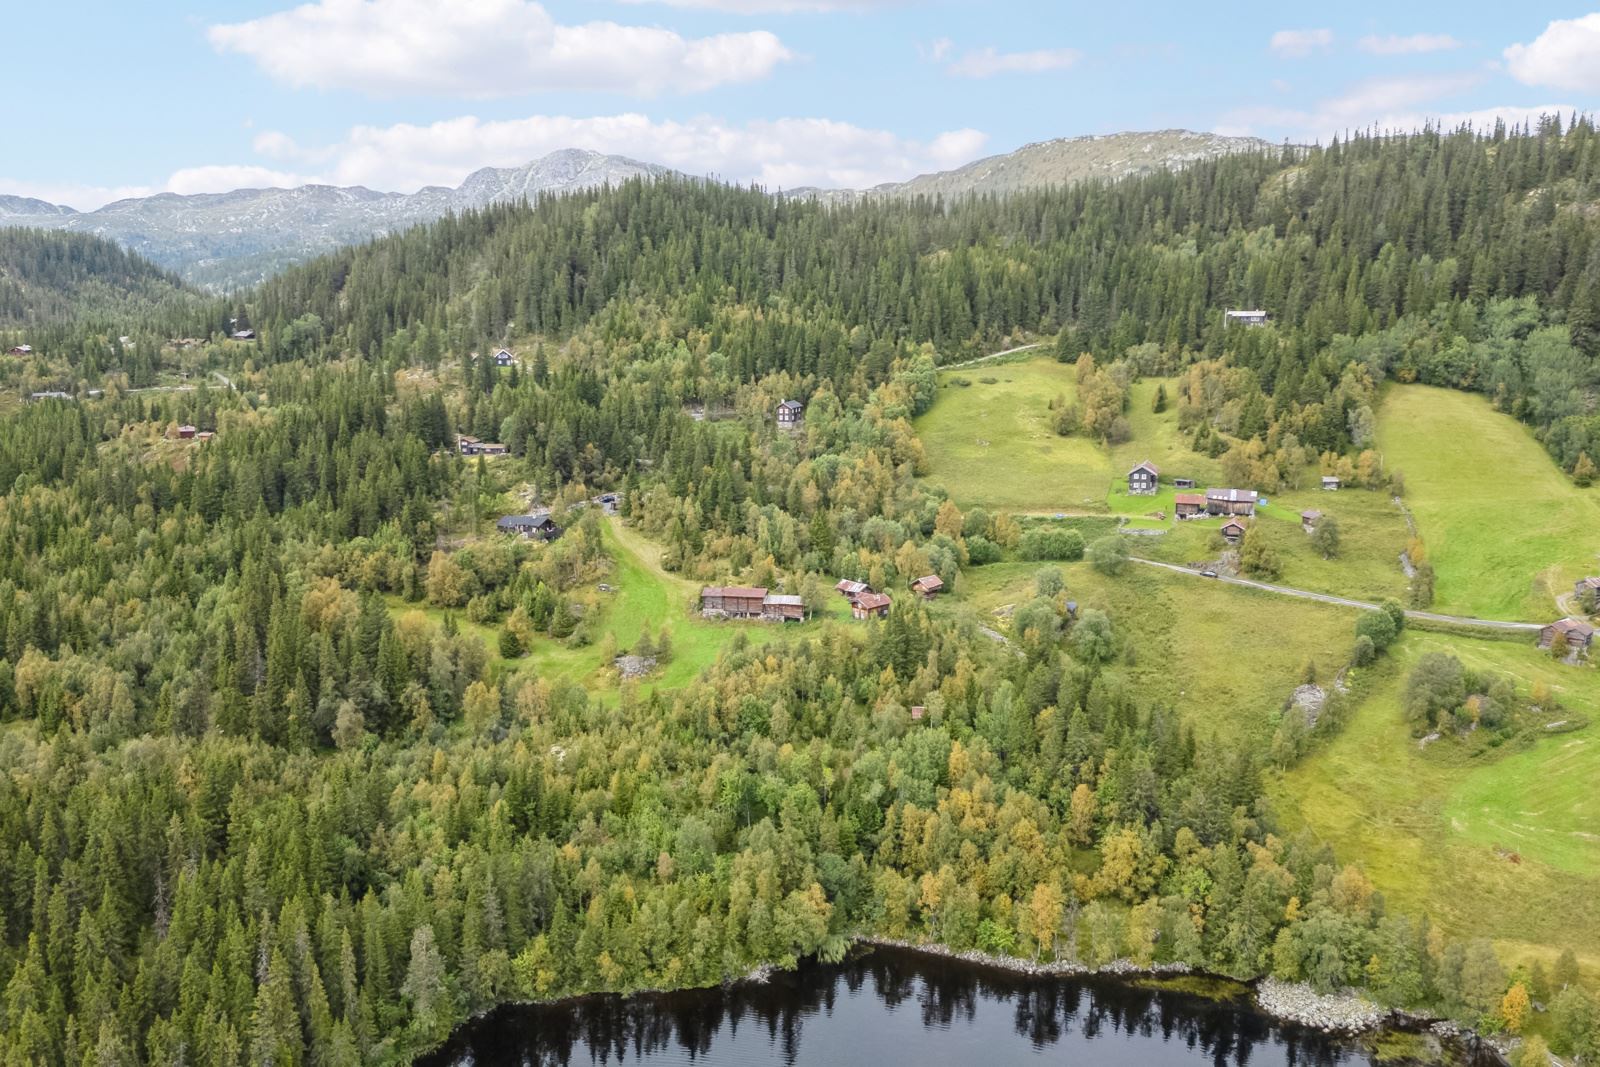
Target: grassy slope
point(646, 599)
point(1504, 528)
point(1227, 657)
point(1427, 822)
point(993, 444)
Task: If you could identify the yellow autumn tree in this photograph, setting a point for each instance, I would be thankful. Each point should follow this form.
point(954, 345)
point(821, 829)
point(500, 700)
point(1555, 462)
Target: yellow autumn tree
point(1515, 1006)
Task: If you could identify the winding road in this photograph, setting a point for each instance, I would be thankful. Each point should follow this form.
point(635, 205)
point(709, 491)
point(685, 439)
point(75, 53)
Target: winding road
point(993, 355)
point(1346, 602)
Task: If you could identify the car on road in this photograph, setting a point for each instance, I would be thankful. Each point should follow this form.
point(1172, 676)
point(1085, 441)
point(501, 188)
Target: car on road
point(1208, 574)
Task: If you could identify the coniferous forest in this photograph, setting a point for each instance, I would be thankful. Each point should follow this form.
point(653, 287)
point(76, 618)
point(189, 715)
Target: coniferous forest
point(270, 797)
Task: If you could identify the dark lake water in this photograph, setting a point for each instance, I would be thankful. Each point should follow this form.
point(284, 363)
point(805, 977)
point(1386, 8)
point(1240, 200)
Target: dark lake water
point(890, 1006)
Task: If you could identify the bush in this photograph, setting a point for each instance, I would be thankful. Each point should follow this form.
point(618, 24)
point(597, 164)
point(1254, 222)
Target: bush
point(1049, 582)
point(1050, 544)
point(1378, 627)
point(1109, 554)
point(981, 550)
point(1364, 651)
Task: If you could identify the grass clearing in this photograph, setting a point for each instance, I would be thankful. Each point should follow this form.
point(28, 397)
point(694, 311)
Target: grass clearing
point(994, 444)
point(1436, 827)
point(647, 599)
point(1179, 627)
point(1505, 529)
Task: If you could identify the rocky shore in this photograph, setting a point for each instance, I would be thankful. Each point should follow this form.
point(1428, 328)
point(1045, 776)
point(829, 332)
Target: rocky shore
point(1299, 1003)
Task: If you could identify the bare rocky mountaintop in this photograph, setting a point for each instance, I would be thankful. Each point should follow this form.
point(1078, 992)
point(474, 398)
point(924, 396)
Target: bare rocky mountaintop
point(229, 240)
point(1062, 161)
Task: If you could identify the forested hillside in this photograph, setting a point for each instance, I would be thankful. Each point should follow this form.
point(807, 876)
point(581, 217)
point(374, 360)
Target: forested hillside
point(48, 277)
point(269, 796)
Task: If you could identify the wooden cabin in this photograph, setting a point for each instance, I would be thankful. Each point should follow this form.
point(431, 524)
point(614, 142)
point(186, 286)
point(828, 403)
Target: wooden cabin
point(867, 605)
point(1233, 531)
point(1144, 479)
point(928, 586)
point(850, 590)
point(790, 412)
point(1253, 317)
point(783, 608)
point(1309, 519)
point(1189, 505)
point(1579, 634)
point(1183, 483)
point(1231, 501)
point(537, 526)
point(1330, 483)
point(734, 601)
point(186, 432)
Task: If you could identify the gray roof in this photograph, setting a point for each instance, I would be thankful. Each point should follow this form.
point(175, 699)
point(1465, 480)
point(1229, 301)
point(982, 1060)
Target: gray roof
point(517, 522)
point(792, 601)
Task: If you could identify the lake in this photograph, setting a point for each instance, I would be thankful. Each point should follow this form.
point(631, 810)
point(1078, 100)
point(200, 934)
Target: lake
point(891, 1006)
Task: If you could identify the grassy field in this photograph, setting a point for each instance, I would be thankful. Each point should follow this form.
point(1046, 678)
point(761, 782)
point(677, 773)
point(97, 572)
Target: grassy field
point(1372, 534)
point(1501, 843)
point(1505, 529)
point(1226, 656)
point(992, 444)
point(647, 598)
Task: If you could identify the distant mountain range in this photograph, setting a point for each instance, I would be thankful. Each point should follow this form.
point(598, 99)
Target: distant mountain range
point(230, 240)
point(1060, 162)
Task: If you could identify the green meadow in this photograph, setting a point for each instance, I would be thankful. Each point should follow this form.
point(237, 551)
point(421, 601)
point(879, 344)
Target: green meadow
point(1226, 657)
point(1489, 841)
point(646, 600)
point(1506, 530)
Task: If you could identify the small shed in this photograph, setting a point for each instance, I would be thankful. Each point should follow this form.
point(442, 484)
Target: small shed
point(917, 712)
point(186, 432)
point(1143, 480)
point(1188, 505)
point(869, 604)
point(1233, 531)
point(1586, 585)
point(504, 358)
point(1183, 483)
point(1579, 634)
point(850, 590)
point(1330, 483)
point(1309, 519)
point(243, 335)
point(928, 586)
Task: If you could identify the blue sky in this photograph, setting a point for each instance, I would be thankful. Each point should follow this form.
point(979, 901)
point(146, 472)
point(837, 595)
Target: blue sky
point(105, 100)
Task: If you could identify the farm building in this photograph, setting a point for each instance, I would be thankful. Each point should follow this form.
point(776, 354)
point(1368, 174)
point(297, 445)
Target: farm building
point(1231, 501)
point(538, 525)
point(1330, 483)
point(850, 590)
point(1189, 505)
point(1583, 585)
point(471, 446)
point(504, 358)
point(734, 601)
point(1578, 633)
point(782, 608)
point(750, 602)
point(790, 412)
point(1233, 531)
point(928, 586)
point(869, 604)
point(1183, 483)
point(1309, 519)
point(205, 435)
point(186, 432)
point(1142, 480)
point(1255, 317)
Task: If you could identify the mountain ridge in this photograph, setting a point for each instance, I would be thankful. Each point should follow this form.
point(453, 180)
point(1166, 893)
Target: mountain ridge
point(234, 239)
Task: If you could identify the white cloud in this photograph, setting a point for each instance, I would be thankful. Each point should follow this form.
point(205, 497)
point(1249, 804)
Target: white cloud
point(1565, 56)
point(777, 153)
point(1386, 104)
point(1300, 42)
point(988, 62)
point(223, 177)
point(776, 7)
point(1395, 45)
point(486, 48)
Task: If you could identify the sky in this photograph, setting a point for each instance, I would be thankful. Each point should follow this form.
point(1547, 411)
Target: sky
point(103, 100)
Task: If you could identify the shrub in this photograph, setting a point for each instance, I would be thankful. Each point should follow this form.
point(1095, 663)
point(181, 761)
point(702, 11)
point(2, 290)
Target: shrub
point(1109, 554)
point(1050, 544)
point(981, 550)
point(1377, 627)
point(1364, 651)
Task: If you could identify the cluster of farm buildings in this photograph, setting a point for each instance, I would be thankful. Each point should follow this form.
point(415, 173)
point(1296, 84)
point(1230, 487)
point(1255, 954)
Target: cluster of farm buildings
point(756, 602)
